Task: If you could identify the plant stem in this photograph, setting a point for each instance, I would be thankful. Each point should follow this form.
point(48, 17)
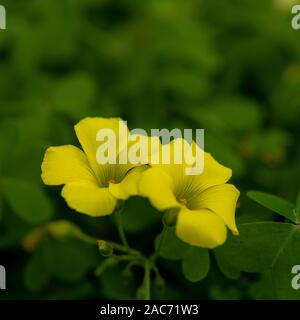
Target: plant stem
point(147, 286)
point(156, 253)
point(118, 217)
point(124, 249)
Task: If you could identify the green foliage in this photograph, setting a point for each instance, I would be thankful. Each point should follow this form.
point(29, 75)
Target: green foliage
point(168, 246)
point(195, 261)
point(274, 203)
point(74, 95)
point(264, 246)
point(70, 260)
point(27, 200)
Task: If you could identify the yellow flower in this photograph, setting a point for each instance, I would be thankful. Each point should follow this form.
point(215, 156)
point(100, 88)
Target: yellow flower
point(206, 204)
point(90, 188)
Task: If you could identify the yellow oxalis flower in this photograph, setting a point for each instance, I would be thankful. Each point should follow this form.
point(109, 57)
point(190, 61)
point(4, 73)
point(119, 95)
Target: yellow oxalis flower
point(206, 204)
point(90, 188)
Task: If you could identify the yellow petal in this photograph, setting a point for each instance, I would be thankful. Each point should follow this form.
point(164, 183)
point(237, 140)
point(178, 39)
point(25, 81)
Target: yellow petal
point(214, 172)
point(220, 199)
point(86, 131)
point(128, 186)
point(88, 198)
point(156, 185)
point(188, 185)
point(201, 228)
point(65, 164)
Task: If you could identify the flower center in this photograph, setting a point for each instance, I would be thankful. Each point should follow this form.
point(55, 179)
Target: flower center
point(183, 201)
point(111, 181)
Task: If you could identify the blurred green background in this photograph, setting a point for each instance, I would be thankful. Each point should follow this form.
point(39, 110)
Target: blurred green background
point(231, 67)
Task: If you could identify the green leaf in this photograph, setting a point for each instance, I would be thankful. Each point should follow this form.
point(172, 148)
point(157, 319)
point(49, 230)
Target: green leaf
point(267, 247)
point(227, 269)
point(196, 264)
point(27, 200)
point(168, 246)
point(256, 247)
point(36, 275)
point(70, 259)
point(274, 203)
point(282, 270)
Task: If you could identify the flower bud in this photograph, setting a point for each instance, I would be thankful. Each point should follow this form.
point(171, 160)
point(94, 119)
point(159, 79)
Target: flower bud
point(106, 250)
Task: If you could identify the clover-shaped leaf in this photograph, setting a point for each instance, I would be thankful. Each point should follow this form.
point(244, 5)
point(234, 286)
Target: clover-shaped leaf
point(266, 246)
point(195, 261)
point(168, 246)
point(196, 264)
point(274, 203)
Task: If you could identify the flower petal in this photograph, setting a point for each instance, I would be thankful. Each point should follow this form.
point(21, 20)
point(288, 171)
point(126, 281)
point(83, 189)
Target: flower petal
point(221, 200)
point(88, 198)
point(214, 173)
point(156, 185)
point(86, 131)
point(201, 228)
point(65, 164)
point(188, 185)
point(129, 185)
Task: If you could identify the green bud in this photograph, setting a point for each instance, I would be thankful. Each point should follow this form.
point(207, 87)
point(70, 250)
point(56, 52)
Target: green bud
point(106, 250)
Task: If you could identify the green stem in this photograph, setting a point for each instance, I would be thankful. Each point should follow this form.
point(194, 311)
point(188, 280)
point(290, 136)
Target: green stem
point(124, 249)
point(113, 260)
point(118, 217)
point(147, 286)
point(155, 255)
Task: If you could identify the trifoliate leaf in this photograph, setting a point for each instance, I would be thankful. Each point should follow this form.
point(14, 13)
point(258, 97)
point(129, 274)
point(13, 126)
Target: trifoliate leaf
point(256, 246)
point(286, 283)
point(274, 203)
point(266, 246)
point(227, 269)
point(196, 264)
point(168, 246)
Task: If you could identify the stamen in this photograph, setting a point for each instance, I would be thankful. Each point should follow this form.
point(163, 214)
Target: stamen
point(183, 201)
point(111, 181)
